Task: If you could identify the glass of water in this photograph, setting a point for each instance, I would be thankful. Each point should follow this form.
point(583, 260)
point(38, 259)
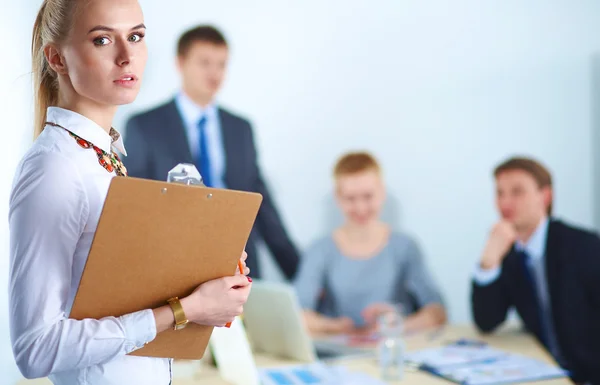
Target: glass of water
point(391, 345)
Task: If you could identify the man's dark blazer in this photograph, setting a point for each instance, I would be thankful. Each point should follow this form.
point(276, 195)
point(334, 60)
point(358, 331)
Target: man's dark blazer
point(156, 142)
point(572, 260)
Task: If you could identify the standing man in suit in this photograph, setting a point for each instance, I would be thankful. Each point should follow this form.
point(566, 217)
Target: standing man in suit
point(548, 270)
point(193, 128)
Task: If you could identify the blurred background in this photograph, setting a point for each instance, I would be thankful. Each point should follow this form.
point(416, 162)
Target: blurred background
point(439, 91)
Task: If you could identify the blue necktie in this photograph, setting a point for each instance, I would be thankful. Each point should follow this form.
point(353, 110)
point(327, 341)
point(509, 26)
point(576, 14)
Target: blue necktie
point(203, 161)
point(531, 279)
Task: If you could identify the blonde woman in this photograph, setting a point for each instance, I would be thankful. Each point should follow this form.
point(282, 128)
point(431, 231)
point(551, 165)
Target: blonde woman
point(88, 58)
point(347, 278)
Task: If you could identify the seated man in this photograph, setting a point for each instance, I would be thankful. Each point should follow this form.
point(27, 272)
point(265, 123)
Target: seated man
point(364, 268)
point(548, 270)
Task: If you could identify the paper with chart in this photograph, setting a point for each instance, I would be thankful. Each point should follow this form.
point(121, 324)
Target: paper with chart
point(315, 374)
point(452, 355)
point(507, 369)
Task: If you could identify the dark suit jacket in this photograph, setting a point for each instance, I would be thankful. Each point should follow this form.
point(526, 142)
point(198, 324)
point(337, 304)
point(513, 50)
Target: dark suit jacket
point(156, 142)
point(572, 261)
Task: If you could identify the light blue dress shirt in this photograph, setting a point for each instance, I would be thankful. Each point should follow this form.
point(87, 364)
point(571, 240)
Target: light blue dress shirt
point(536, 249)
point(191, 114)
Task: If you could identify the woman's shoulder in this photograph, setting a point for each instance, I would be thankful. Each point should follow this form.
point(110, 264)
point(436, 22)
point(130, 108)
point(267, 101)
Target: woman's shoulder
point(323, 242)
point(321, 246)
point(401, 237)
point(55, 140)
point(51, 143)
point(47, 161)
point(402, 242)
point(46, 157)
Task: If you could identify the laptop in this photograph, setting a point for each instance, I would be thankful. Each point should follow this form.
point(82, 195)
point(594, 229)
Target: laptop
point(274, 324)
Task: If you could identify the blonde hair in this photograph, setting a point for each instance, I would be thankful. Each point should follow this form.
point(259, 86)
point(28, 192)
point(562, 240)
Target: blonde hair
point(354, 163)
point(52, 25)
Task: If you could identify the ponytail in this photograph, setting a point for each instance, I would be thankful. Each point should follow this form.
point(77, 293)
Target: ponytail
point(51, 26)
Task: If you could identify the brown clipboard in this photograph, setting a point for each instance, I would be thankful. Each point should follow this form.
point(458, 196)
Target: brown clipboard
point(157, 240)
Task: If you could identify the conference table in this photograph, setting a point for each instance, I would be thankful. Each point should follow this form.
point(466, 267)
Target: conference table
point(509, 338)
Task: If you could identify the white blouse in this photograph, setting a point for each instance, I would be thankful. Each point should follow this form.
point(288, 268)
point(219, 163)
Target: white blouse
point(55, 204)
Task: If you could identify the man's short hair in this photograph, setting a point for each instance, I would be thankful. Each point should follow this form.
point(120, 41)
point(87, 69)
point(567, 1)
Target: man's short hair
point(532, 167)
point(201, 33)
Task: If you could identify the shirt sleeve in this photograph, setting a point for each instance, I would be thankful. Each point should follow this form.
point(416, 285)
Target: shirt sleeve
point(310, 278)
point(419, 281)
point(47, 214)
point(485, 277)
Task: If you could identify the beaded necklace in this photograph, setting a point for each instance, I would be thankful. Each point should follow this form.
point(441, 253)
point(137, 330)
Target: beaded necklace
point(111, 162)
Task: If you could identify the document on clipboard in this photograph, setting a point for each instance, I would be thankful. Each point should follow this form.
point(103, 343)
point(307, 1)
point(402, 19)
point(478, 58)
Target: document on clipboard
point(157, 240)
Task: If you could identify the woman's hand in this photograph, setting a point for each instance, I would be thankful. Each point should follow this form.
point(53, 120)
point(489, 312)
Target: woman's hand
point(217, 302)
point(340, 325)
point(246, 269)
point(372, 312)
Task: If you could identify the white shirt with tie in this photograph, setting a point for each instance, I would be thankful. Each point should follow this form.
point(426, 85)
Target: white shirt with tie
point(55, 204)
point(191, 114)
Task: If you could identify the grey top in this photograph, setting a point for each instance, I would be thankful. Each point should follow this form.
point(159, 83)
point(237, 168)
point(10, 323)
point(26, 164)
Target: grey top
point(396, 275)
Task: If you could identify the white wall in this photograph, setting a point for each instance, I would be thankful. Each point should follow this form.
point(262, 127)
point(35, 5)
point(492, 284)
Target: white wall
point(439, 91)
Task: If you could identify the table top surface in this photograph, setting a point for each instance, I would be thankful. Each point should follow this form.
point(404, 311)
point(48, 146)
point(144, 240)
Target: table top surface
point(510, 339)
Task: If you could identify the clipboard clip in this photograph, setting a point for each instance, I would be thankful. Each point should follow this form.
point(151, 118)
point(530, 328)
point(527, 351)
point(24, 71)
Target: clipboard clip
point(185, 173)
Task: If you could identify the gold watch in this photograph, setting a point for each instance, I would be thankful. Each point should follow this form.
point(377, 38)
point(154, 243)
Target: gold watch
point(180, 319)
